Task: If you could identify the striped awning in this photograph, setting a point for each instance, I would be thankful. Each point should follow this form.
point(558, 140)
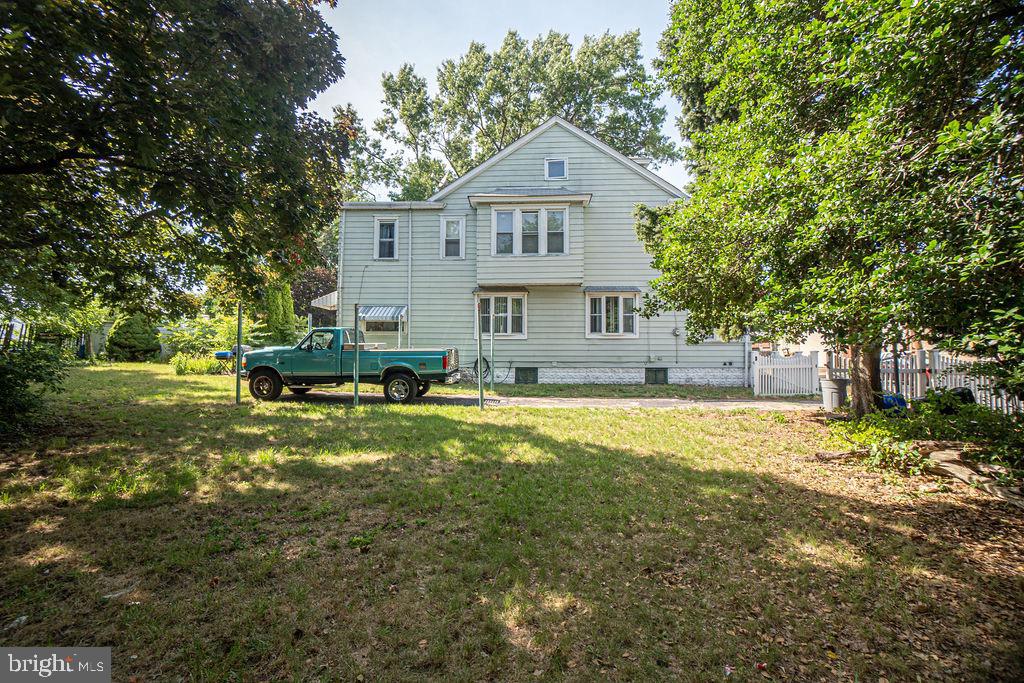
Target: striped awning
point(380, 314)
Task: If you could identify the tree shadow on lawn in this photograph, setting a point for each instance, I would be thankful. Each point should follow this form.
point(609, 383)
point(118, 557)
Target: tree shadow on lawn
point(302, 541)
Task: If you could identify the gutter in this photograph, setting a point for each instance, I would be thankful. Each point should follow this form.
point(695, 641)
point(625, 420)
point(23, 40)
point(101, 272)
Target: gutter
point(746, 359)
point(393, 206)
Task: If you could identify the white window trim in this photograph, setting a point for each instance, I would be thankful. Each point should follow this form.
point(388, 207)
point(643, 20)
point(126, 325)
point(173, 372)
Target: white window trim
point(377, 220)
point(565, 165)
point(611, 335)
point(491, 295)
point(462, 236)
point(517, 230)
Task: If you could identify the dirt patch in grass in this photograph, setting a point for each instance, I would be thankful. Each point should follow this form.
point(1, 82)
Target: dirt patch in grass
point(308, 540)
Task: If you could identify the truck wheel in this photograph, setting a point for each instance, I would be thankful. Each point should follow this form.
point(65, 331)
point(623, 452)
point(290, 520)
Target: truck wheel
point(300, 391)
point(399, 388)
point(265, 385)
point(422, 388)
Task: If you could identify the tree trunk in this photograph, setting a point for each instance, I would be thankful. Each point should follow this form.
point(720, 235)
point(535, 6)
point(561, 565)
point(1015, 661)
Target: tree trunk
point(865, 378)
point(8, 333)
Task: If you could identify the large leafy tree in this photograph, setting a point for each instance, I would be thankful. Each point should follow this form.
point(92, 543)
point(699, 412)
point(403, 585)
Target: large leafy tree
point(858, 173)
point(144, 141)
point(485, 100)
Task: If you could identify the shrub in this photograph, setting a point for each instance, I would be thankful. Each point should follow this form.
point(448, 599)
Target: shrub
point(26, 375)
point(888, 436)
point(133, 338)
point(204, 335)
point(188, 364)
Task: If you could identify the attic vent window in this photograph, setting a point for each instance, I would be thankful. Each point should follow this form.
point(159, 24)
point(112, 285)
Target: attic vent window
point(556, 169)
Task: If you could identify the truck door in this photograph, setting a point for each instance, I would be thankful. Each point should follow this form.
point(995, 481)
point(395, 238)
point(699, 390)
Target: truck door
point(317, 358)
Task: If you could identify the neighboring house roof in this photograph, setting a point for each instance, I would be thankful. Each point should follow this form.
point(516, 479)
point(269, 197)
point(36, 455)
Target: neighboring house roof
point(583, 135)
point(328, 302)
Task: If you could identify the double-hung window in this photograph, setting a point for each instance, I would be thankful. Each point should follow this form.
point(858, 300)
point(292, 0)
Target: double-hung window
point(453, 237)
point(385, 238)
point(506, 312)
point(530, 231)
point(530, 240)
point(611, 315)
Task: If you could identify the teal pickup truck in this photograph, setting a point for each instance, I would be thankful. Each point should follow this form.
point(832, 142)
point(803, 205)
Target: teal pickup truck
point(326, 356)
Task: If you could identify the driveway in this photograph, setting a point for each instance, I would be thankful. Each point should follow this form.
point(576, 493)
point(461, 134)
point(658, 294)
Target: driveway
point(566, 402)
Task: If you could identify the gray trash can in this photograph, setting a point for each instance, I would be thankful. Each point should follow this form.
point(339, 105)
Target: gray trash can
point(833, 393)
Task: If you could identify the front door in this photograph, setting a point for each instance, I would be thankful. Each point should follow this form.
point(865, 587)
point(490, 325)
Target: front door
point(317, 358)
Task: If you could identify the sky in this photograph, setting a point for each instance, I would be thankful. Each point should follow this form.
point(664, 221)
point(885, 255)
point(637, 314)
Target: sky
point(375, 37)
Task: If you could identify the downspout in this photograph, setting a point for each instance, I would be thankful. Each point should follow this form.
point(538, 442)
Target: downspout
point(746, 359)
point(341, 245)
point(408, 289)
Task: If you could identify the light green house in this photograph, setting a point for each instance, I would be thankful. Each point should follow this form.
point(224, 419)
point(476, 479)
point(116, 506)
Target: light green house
point(541, 234)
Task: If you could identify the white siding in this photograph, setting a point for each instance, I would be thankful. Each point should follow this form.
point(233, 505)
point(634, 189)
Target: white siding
point(604, 251)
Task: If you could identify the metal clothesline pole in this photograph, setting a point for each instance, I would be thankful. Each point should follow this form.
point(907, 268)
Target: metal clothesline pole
point(355, 358)
point(493, 365)
point(238, 357)
point(480, 354)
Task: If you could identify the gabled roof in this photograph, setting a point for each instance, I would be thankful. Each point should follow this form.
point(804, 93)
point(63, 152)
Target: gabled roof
point(582, 135)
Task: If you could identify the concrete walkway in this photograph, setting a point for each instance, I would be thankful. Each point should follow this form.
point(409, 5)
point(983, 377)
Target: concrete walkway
point(376, 398)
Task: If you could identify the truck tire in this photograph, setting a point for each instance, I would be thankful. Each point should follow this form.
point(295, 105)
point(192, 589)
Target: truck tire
point(265, 385)
point(400, 388)
point(422, 388)
point(299, 391)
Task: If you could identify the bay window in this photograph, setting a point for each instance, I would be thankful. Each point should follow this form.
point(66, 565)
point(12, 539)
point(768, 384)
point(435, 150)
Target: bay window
point(530, 231)
point(611, 315)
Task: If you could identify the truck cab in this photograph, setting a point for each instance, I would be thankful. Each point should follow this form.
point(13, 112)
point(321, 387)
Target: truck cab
point(326, 356)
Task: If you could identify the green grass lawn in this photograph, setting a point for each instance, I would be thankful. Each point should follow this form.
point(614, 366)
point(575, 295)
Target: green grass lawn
point(304, 539)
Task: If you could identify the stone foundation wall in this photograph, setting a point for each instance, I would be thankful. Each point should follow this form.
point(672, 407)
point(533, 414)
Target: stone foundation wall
point(719, 377)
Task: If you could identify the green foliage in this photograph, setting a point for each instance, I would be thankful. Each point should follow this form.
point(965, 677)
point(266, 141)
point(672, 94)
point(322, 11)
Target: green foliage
point(195, 364)
point(143, 143)
point(280, 326)
point(992, 437)
point(486, 100)
point(133, 337)
point(849, 180)
point(26, 375)
point(203, 335)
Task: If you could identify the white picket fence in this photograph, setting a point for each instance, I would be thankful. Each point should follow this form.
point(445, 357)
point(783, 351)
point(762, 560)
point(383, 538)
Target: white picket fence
point(923, 370)
point(795, 375)
point(919, 371)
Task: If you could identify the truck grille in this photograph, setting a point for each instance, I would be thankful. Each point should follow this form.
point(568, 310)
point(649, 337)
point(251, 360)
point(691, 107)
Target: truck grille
point(453, 360)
